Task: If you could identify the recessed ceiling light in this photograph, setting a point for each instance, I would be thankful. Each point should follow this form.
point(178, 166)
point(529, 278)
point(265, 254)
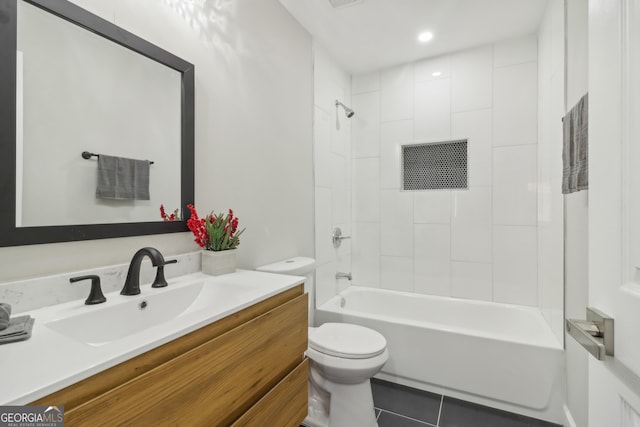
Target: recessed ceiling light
point(425, 36)
point(436, 74)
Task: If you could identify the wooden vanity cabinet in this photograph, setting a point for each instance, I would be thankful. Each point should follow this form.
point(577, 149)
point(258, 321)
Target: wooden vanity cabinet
point(247, 369)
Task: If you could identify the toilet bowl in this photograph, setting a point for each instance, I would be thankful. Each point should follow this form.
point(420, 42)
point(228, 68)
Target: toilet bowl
point(343, 358)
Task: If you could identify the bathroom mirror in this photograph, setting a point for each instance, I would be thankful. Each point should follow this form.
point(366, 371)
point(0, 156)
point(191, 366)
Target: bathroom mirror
point(72, 82)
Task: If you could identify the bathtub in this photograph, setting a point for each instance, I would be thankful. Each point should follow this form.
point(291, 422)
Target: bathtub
point(499, 355)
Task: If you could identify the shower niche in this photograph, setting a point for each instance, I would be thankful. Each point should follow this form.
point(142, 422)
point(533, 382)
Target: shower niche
point(435, 166)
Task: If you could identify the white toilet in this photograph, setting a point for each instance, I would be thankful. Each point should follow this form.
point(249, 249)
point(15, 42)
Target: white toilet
point(343, 358)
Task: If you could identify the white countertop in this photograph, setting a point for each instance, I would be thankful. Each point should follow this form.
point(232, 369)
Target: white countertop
point(50, 360)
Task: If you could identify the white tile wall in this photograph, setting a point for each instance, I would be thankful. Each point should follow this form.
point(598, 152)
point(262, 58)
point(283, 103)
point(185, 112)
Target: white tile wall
point(515, 177)
point(365, 83)
point(397, 273)
point(476, 127)
point(339, 170)
point(515, 267)
point(396, 93)
point(365, 253)
point(432, 110)
point(396, 223)
point(365, 124)
point(321, 147)
point(432, 255)
point(366, 189)
point(324, 223)
point(515, 51)
point(471, 225)
point(326, 286)
point(343, 265)
point(432, 69)
point(515, 110)
point(479, 243)
point(472, 280)
point(432, 207)
point(340, 208)
point(392, 136)
point(472, 79)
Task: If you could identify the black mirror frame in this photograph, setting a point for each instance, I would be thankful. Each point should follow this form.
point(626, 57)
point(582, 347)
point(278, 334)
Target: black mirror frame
point(10, 235)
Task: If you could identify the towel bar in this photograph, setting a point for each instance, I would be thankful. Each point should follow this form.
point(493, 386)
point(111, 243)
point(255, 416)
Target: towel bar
point(87, 155)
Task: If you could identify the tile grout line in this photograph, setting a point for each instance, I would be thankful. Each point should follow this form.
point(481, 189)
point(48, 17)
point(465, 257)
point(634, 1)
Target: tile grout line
point(408, 418)
point(440, 409)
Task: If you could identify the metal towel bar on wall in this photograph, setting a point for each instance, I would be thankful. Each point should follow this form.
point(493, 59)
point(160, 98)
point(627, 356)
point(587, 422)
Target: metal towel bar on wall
point(87, 155)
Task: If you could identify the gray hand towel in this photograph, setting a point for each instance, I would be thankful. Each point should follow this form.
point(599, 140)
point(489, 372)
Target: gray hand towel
point(19, 329)
point(575, 149)
point(5, 315)
point(122, 179)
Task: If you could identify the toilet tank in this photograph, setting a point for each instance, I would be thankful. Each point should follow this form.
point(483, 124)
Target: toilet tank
point(297, 266)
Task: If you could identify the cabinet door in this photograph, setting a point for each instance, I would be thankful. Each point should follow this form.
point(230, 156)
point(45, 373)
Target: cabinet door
point(284, 406)
point(213, 384)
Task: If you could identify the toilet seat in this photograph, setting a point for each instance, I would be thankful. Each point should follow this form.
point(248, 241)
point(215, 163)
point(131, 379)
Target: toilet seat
point(347, 341)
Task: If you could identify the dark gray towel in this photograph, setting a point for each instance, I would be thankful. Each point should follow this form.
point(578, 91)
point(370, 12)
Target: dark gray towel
point(5, 315)
point(122, 179)
point(19, 329)
point(575, 149)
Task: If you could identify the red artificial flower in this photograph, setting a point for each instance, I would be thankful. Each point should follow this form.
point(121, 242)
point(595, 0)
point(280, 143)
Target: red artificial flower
point(197, 227)
point(174, 215)
point(214, 232)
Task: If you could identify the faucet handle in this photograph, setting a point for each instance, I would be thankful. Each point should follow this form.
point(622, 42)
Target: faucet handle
point(160, 281)
point(337, 237)
point(95, 296)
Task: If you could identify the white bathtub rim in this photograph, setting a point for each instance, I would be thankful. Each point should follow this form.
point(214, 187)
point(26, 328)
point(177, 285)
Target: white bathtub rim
point(438, 326)
point(551, 341)
point(356, 288)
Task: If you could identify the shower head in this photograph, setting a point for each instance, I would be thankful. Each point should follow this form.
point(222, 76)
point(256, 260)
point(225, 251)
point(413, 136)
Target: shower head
point(347, 111)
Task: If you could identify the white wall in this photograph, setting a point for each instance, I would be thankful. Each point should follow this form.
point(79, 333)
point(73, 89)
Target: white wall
point(551, 89)
point(254, 89)
point(332, 167)
point(576, 220)
point(479, 243)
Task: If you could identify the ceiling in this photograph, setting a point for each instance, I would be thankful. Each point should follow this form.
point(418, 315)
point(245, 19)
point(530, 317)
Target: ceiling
point(367, 35)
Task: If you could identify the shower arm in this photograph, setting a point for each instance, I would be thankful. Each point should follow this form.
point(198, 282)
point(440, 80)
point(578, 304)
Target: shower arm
point(347, 111)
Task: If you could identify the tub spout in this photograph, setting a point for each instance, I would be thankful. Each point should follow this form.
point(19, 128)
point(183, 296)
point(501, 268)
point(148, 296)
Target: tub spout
point(340, 275)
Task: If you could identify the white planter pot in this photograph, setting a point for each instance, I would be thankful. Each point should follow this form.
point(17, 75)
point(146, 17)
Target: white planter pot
point(215, 263)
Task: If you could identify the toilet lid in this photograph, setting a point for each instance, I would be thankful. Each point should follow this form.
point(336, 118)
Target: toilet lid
point(346, 340)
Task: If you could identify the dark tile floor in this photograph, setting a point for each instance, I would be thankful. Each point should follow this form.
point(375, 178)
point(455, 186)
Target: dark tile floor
point(400, 406)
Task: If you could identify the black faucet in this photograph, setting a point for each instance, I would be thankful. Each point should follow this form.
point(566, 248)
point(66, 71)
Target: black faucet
point(132, 283)
point(95, 296)
point(160, 281)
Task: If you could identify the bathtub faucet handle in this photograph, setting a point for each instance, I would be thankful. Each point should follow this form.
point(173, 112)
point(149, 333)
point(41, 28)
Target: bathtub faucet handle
point(337, 237)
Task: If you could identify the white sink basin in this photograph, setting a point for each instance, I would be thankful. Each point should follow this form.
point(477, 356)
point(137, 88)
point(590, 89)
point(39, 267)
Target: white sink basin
point(182, 302)
point(127, 315)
